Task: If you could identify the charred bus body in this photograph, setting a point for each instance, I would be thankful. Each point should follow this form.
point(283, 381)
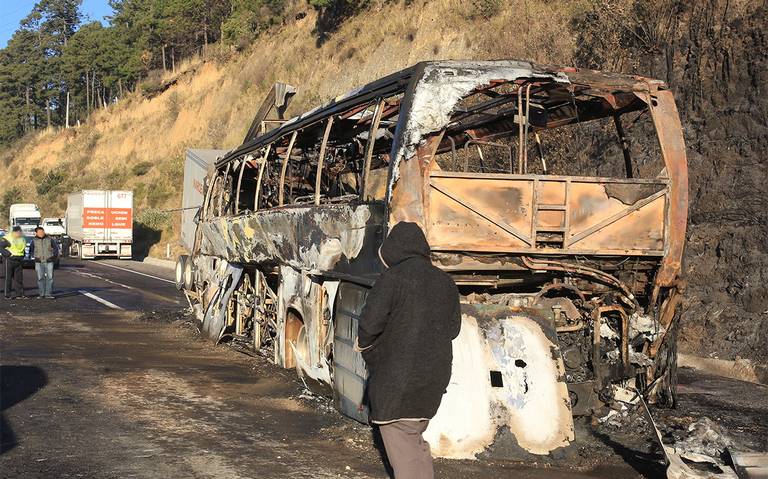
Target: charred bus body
point(568, 259)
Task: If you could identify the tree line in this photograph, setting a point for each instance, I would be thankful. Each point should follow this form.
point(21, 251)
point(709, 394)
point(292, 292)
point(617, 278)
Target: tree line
point(57, 68)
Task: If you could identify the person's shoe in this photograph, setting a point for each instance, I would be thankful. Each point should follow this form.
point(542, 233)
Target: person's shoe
point(50, 296)
point(39, 297)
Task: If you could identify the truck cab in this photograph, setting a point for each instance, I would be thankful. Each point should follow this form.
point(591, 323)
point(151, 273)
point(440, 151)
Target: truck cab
point(25, 215)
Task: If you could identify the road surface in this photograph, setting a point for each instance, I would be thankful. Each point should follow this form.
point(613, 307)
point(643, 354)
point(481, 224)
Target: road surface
point(109, 381)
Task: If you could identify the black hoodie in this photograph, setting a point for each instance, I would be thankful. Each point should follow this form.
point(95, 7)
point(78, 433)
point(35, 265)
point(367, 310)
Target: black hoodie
point(409, 320)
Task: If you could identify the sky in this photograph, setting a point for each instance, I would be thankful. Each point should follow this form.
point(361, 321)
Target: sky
point(12, 11)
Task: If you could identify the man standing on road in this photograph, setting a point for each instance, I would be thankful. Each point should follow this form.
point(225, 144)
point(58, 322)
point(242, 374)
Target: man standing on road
point(12, 247)
point(409, 320)
point(44, 251)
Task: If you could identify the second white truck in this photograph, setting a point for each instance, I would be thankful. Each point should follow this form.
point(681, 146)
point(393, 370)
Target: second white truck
point(54, 227)
point(100, 223)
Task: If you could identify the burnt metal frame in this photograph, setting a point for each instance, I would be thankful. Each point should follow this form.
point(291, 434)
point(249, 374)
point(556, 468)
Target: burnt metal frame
point(379, 109)
point(651, 92)
point(382, 88)
point(262, 166)
point(321, 159)
point(284, 168)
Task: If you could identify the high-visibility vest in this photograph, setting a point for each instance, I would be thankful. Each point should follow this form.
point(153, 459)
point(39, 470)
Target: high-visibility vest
point(18, 245)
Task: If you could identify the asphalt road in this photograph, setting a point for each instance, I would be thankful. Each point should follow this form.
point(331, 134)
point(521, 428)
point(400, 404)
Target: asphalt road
point(109, 381)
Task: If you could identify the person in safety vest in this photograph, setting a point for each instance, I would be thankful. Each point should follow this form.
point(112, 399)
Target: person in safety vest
point(12, 248)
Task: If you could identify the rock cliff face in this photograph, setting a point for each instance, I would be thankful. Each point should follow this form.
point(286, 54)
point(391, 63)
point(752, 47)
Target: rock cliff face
point(716, 60)
point(712, 52)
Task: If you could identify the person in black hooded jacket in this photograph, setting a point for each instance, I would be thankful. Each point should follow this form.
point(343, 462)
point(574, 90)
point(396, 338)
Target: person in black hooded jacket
point(409, 320)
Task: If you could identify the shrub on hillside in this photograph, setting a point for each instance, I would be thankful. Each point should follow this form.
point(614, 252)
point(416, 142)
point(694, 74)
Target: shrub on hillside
point(250, 18)
point(217, 131)
point(485, 8)
point(141, 169)
point(152, 87)
point(154, 219)
point(50, 183)
point(116, 179)
point(354, 4)
point(157, 194)
point(173, 103)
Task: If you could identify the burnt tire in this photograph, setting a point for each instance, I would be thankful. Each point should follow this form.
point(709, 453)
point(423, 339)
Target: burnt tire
point(181, 266)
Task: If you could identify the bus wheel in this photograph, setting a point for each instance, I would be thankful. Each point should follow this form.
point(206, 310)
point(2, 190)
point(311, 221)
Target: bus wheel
point(181, 266)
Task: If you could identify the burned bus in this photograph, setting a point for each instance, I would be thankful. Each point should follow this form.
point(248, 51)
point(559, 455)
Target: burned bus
point(555, 197)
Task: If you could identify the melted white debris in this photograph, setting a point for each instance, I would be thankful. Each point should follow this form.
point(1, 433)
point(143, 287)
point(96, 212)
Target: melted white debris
point(643, 324)
point(607, 332)
point(532, 401)
point(635, 357)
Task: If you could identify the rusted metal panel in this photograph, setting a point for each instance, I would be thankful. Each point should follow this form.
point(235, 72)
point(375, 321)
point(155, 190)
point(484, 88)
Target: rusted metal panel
point(505, 213)
point(600, 222)
point(480, 214)
point(670, 133)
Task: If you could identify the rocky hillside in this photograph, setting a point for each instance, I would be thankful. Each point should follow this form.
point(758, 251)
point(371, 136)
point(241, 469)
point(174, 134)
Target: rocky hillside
point(712, 53)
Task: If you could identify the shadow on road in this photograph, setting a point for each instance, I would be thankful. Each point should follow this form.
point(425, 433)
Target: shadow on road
point(647, 465)
point(144, 237)
point(17, 383)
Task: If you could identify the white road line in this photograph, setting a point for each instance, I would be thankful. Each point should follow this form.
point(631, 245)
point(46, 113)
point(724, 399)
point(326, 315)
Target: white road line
point(100, 300)
point(136, 272)
point(91, 275)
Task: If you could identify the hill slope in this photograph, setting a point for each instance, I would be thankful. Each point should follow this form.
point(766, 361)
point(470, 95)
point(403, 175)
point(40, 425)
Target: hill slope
point(713, 54)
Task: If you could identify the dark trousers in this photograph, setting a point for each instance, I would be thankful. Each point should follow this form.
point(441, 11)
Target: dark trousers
point(407, 451)
point(14, 275)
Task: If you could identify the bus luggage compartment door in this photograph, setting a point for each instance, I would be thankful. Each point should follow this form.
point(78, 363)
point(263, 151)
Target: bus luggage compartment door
point(349, 372)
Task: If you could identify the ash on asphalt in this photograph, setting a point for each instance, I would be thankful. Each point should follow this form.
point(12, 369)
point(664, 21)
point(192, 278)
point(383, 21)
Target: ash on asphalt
point(626, 440)
point(167, 316)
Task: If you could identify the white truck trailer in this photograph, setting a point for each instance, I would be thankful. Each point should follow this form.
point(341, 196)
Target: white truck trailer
point(26, 216)
point(196, 166)
point(100, 223)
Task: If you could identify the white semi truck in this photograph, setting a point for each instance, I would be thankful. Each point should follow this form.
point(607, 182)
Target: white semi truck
point(100, 223)
point(26, 216)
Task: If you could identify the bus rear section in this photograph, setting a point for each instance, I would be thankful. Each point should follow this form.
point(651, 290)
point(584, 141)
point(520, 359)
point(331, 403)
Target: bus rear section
point(557, 200)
